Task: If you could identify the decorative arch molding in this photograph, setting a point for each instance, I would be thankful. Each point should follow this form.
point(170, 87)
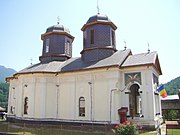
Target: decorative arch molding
point(134, 83)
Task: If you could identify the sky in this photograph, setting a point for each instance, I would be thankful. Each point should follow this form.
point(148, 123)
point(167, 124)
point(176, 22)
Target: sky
point(139, 22)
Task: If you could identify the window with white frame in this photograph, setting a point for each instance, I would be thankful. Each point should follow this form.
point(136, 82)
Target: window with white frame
point(82, 106)
point(47, 45)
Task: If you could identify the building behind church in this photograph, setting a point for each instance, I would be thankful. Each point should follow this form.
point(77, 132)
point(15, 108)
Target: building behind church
point(87, 89)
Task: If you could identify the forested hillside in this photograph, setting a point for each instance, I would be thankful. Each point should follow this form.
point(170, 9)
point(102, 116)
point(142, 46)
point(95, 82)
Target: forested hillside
point(173, 86)
point(4, 90)
point(4, 87)
point(5, 72)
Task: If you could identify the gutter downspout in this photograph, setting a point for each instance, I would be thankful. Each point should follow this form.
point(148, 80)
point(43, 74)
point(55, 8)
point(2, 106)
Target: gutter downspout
point(111, 104)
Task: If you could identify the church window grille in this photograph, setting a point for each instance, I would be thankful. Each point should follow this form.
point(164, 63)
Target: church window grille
point(47, 45)
point(82, 106)
point(92, 36)
point(68, 49)
point(113, 37)
point(26, 105)
point(84, 39)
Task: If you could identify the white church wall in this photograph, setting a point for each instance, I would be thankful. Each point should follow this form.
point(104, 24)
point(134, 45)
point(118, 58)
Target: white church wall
point(65, 99)
point(57, 96)
point(19, 96)
point(51, 100)
point(84, 82)
point(12, 100)
point(115, 101)
point(29, 93)
point(157, 97)
point(148, 101)
point(43, 94)
point(115, 105)
point(39, 99)
point(100, 82)
point(105, 86)
point(101, 98)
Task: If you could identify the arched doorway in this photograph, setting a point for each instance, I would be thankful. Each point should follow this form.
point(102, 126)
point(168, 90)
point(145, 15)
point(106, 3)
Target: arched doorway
point(134, 101)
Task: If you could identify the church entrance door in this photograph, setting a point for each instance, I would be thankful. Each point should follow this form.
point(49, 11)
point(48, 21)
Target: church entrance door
point(134, 101)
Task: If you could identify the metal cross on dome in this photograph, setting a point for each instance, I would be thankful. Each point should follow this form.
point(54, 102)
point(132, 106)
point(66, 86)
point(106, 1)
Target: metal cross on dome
point(125, 45)
point(98, 7)
point(148, 48)
point(58, 18)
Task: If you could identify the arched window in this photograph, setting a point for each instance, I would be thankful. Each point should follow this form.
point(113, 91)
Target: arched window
point(82, 106)
point(26, 105)
point(135, 101)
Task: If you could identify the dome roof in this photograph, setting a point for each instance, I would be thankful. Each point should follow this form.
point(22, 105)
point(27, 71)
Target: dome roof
point(57, 28)
point(98, 18)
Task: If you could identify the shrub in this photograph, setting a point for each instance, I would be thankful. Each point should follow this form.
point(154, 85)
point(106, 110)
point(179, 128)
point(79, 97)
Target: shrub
point(126, 128)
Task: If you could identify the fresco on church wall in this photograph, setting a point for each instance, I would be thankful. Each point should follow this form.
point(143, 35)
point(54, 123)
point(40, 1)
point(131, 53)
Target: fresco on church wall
point(133, 77)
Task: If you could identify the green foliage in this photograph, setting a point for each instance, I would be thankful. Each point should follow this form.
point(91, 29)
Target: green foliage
point(173, 86)
point(4, 91)
point(171, 114)
point(127, 128)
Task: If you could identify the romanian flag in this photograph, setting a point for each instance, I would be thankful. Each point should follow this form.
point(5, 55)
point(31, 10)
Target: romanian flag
point(162, 91)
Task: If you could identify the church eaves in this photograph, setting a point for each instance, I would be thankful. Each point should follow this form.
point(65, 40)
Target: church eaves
point(77, 64)
point(143, 59)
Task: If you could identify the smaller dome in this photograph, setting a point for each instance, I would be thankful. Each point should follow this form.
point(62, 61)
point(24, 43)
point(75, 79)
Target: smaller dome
point(98, 18)
point(57, 28)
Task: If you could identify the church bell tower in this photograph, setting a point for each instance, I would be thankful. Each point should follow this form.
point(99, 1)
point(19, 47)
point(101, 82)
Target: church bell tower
point(57, 44)
point(99, 39)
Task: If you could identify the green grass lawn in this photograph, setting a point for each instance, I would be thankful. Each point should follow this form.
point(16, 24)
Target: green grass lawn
point(34, 129)
point(173, 132)
point(149, 133)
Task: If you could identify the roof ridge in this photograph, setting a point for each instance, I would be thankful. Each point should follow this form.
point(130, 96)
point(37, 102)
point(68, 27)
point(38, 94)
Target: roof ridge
point(144, 53)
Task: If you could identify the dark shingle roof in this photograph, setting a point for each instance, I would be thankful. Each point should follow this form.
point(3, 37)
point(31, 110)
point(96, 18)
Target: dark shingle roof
point(98, 17)
point(74, 64)
point(57, 28)
point(122, 58)
point(140, 59)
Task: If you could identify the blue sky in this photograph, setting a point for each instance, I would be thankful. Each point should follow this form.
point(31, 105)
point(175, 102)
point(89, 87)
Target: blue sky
point(138, 21)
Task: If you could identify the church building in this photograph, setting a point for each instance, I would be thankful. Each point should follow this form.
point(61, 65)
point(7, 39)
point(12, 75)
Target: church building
point(93, 88)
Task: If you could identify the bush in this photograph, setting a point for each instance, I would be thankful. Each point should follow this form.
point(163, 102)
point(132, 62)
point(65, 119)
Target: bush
point(127, 128)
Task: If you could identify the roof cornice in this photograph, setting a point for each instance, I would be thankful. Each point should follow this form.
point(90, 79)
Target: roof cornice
point(56, 33)
point(99, 22)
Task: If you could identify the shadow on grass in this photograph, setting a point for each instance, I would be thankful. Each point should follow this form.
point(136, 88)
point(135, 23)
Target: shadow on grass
point(58, 129)
point(43, 129)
